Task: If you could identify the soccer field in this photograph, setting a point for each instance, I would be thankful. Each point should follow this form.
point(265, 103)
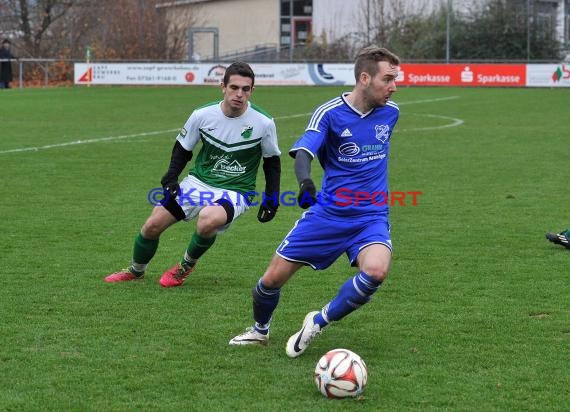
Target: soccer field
point(474, 316)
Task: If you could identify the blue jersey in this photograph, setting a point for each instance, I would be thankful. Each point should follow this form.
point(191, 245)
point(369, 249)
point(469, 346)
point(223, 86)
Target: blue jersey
point(352, 148)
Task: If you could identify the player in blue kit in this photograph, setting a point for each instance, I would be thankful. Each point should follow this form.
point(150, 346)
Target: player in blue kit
point(350, 136)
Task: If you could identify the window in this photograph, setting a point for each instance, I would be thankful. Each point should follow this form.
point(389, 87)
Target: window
point(296, 26)
point(300, 7)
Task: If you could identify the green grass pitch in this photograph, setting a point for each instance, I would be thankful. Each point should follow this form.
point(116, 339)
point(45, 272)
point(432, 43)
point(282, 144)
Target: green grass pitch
point(474, 316)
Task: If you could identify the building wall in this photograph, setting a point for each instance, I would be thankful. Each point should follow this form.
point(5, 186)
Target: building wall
point(242, 24)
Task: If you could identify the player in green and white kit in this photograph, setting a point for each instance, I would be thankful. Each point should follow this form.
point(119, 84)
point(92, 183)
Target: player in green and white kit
point(235, 136)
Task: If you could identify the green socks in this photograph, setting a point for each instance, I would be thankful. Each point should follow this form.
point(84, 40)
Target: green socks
point(143, 252)
point(197, 247)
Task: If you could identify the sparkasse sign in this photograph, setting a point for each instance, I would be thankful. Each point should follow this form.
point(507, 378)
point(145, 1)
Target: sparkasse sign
point(482, 75)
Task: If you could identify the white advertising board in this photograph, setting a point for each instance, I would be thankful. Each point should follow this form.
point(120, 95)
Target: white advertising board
point(548, 75)
point(200, 74)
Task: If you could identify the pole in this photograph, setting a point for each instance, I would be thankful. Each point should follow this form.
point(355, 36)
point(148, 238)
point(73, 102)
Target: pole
point(368, 23)
point(88, 61)
point(527, 30)
point(21, 74)
point(447, 29)
point(290, 31)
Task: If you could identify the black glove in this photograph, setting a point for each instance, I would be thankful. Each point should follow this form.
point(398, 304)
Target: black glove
point(307, 194)
point(266, 213)
point(170, 185)
point(267, 210)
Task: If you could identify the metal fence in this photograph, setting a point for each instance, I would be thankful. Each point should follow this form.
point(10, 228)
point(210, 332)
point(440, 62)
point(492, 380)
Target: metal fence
point(60, 72)
point(41, 72)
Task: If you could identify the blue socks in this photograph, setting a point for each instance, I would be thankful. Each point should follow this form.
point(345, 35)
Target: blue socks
point(354, 293)
point(265, 301)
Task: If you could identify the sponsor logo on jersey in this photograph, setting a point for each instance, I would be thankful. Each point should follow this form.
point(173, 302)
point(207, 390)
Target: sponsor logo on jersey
point(346, 133)
point(372, 147)
point(382, 132)
point(183, 132)
point(225, 168)
point(246, 132)
point(349, 149)
point(376, 156)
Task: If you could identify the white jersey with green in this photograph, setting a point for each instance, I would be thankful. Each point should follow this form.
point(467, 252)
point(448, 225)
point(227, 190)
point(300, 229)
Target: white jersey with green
point(232, 147)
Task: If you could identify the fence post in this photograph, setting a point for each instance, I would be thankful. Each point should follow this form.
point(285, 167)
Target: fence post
point(21, 74)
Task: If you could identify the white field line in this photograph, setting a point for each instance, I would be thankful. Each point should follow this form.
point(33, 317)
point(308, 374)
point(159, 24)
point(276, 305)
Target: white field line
point(438, 99)
point(86, 141)
point(455, 122)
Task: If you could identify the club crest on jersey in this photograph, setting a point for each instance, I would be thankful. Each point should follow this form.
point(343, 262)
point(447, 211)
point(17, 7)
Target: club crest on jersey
point(382, 132)
point(246, 132)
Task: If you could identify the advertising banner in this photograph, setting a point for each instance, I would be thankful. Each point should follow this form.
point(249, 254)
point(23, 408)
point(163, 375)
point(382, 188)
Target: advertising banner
point(200, 74)
point(481, 75)
point(137, 73)
point(548, 75)
point(325, 74)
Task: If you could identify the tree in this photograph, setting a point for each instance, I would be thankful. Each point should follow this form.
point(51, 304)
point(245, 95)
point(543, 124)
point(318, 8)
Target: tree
point(118, 29)
point(498, 30)
point(114, 29)
point(417, 37)
point(406, 26)
point(487, 30)
point(35, 20)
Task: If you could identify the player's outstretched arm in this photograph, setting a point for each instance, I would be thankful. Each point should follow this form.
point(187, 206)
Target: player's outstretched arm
point(178, 161)
point(307, 190)
point(270, 201)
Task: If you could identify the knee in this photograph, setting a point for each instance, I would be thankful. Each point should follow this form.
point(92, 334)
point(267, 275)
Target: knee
point(210, 220)
point(378, 272)
point(270, 281)
point(274, 277)
point(152, 229)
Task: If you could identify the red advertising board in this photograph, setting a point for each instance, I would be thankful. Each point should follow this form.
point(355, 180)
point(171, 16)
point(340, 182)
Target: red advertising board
point(481, 75)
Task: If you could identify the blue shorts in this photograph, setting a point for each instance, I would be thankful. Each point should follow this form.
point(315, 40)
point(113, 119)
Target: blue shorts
point(318, 240)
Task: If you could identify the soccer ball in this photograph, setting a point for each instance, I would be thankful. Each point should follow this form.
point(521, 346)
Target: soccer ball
point(341, 373)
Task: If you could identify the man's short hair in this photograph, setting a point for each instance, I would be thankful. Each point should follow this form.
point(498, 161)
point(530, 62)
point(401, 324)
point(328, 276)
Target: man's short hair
point(241, 68)
point(6, 41)
point(366, 60)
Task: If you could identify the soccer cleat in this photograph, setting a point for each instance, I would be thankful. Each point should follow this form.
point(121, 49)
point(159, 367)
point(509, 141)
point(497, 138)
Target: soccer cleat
point(301, 340)
point(175, 276)
point(124, 276)
point(562, 238)
point(250, 337)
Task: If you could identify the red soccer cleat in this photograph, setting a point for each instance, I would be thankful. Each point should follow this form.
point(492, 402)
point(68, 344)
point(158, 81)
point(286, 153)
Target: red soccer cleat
point(124, 276)
point(175, 276)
